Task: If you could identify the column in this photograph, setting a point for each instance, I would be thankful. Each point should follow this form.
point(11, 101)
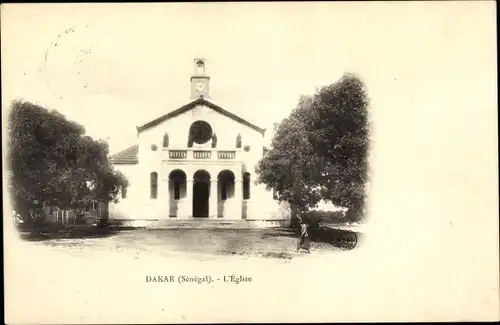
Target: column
point(213, 202)
point(249, 213)
point(188, 203)
point(169, 200)
point(238, 197)
point(163, 199)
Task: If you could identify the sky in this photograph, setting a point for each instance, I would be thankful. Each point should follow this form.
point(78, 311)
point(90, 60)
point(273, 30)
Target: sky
point(112, 67)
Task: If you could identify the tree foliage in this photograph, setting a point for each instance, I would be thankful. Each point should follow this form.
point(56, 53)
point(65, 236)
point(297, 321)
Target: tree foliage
point(321, 150)
point(53, 163)
point(290, 166)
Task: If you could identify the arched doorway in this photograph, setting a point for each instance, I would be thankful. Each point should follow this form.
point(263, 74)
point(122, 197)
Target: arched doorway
point(246, 194)
point(201, 192)
point(177, 190)
point(225, 181)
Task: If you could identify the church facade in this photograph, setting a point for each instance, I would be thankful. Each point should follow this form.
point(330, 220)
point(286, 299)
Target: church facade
point(196, 162)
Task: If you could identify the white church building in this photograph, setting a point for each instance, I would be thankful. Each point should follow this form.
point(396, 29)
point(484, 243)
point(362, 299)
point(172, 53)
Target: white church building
point(196, 161)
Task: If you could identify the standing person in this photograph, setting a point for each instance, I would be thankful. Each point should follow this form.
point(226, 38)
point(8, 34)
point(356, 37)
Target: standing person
point(304, 239)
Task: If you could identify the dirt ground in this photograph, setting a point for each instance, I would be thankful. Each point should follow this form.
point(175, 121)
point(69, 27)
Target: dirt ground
point(194, 243)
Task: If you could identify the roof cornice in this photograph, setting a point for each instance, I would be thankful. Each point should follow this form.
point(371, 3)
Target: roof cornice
point(191, 105)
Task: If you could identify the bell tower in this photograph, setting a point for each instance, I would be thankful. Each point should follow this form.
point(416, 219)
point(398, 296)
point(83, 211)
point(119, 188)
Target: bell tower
point(200, 81)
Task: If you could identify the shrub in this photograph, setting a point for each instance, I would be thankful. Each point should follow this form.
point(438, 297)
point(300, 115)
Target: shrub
point(315, 218)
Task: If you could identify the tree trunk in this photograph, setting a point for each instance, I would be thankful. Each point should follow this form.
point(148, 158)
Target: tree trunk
point(354, 214)
point(103, 221)
point(296, 217)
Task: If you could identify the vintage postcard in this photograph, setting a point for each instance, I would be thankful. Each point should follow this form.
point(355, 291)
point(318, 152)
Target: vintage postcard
point(250, 162)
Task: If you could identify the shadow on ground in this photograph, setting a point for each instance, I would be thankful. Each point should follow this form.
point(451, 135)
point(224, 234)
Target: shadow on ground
point(343, 239)
point(45, 234)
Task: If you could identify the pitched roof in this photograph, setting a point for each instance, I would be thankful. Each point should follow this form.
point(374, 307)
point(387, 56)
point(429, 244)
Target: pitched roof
point(193, 104)
point(127, 156)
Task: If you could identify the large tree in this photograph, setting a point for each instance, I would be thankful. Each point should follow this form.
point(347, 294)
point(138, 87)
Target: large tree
point(53, 163)
point(291, 166)
point(320, 151)
point(340, 134)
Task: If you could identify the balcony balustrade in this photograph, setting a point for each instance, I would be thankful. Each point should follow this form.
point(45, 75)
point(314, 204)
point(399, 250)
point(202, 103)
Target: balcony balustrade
point(226, 154)
point(202, 154)
point(177, 154)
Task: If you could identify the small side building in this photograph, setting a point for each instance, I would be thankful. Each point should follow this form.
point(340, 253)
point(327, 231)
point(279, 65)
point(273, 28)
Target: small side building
point(88, 214)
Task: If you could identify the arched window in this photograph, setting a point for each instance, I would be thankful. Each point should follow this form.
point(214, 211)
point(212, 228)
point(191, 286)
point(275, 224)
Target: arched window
point(200, 67)
point(246, 186)
point(154, 185)
point(238, 141)
point(165, 140)
point(190, 141)
point(214, 141)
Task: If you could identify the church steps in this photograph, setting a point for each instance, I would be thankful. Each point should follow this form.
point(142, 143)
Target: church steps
point(192, 224)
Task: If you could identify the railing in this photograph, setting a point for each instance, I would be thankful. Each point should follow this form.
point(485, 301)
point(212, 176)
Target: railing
point(202, 154)
point(198, 154)
point(177, 154)
point(226, 154)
